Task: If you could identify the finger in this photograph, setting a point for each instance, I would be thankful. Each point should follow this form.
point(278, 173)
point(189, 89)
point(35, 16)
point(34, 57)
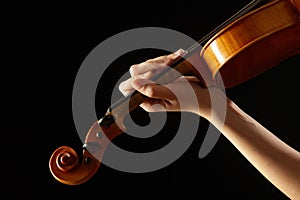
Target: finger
point(153, 105)
point(146, 67)
point(156, 64)
point(125, 87)
point(178, 53)
point(165, 59)
point(152, 90)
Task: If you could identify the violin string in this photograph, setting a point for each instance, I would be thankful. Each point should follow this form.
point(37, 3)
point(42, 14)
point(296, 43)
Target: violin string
point(234, 17)
point(198, 44)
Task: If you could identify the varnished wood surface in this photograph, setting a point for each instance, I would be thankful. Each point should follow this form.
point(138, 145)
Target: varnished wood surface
point(254, 43)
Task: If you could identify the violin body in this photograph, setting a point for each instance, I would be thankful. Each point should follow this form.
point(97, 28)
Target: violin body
point(243, 49)
point(254, 43)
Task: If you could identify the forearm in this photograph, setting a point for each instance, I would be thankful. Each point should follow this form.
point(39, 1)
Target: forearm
point(277, 161)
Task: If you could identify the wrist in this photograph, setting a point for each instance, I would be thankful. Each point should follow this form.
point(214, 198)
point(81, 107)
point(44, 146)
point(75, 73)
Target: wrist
point(213, 105)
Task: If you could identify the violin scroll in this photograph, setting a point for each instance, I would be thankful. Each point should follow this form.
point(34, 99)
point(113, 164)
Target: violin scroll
point(68, 168)
point(241, 50)
point(72, 169)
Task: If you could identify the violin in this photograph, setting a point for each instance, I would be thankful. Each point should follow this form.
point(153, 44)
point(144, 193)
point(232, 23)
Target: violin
point(258, 37)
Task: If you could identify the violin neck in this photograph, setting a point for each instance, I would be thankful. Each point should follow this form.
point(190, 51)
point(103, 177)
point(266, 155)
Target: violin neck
point(128, 103)
point(178, 68)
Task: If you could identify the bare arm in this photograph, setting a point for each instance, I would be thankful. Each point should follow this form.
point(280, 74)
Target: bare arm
point(273, 158)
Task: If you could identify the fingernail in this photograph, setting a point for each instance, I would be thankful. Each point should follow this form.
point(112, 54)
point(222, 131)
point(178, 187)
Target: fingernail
point(179, 52)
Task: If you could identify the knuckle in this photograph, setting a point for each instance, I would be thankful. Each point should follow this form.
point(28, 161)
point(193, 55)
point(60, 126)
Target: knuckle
point(126, 85)
point(150, 60)
point(149, 91)
point(133, 70)
point(121, 87)
point(161, 59)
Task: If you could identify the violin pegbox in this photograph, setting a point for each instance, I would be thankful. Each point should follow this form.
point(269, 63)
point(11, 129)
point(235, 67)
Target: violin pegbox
point(70, 168)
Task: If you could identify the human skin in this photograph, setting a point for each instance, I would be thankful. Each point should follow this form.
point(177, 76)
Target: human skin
point(274, 159)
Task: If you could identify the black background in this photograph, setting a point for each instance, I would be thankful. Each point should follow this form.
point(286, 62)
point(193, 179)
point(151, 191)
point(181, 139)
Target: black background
point(51, 41)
